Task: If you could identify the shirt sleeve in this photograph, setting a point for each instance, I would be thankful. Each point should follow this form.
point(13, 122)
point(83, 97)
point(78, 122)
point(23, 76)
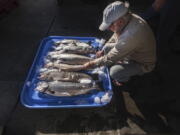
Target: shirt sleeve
point(126, 45)
point(109, 44)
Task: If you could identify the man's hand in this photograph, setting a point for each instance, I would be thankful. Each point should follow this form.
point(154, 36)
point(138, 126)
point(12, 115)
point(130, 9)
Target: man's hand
point(88, 65)
point(99, 54)
point(117, 83)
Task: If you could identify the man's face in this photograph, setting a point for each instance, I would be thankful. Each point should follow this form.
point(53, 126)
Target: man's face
point(117, 25)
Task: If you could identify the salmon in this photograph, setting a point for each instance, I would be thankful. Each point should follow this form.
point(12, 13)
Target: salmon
point(64, 76)
point(72, 59)
point(58, 88)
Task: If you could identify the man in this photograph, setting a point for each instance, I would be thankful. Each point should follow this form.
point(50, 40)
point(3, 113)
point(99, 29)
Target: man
point(132, 48)
point(130, 51)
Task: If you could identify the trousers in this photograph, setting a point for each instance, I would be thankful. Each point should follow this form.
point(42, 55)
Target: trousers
point(123, 71)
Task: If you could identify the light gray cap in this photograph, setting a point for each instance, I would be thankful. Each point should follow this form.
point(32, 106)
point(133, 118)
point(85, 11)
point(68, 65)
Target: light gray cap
point(112, 12)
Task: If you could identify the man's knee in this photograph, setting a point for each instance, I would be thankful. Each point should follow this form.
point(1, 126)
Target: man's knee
point(117, 73)
point(116, 70)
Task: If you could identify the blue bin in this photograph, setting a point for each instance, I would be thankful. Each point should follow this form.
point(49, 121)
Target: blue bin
point(34, 99)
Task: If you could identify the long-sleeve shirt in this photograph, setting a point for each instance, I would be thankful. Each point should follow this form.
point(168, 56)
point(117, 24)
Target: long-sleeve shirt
point(136, 42)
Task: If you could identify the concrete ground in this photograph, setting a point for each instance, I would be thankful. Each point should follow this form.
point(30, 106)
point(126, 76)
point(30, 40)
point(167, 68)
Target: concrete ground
point(20, 34)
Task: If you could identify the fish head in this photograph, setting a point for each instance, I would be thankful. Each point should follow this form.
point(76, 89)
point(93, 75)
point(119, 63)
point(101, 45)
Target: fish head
point(50, 64)
point(42, 70)
point(42, 76)
point(51, 53)
point(42, 86)
point(47, 60)
point(57, 42)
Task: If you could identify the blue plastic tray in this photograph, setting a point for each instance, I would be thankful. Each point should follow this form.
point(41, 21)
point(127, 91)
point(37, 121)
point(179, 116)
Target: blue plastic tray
point(34, 99)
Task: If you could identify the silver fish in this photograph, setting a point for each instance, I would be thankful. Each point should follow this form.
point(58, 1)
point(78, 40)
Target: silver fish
point(73, 49)
point(57, 88)
point(66, 41)
point(78, 49)
point(71, 42)
point(65, 76)
point(64, 67)
point(72, 59)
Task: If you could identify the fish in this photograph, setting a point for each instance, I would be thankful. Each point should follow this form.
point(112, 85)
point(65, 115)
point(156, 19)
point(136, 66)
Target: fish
point(78, 50)
point(71, 42)
point(83, 44)
point(58, 88)
point(64, 67)
point(73, 50)
point(65, 76)
point(65, 41)
point(72, 59)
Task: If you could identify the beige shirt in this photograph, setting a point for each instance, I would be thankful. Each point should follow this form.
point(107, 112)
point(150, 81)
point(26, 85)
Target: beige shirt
point(136, 42)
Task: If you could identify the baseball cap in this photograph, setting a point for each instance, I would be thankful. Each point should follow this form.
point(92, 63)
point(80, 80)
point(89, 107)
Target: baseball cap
point(112, 12)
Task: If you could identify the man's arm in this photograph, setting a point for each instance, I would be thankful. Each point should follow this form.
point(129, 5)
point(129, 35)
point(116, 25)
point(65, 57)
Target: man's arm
point(112, 39)
point(111, 42)
point(123, 48)
point(107, 47)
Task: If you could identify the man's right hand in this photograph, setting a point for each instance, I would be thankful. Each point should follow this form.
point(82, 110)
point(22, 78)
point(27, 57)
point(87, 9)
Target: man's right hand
point(99, 54)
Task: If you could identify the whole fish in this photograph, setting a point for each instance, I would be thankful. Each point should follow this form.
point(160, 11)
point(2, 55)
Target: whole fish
point(64, 67)
point(57, 88)
point(78, 50)
point(65, 41)
point(72, 59)
point(71, 42)
point(65, 76)
point(73, 50)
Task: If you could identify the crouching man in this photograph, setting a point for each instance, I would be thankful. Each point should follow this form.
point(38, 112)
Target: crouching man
point(132, 48)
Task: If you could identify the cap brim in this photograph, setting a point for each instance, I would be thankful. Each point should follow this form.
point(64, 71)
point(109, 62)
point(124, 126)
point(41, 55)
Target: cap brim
point(104, 26)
